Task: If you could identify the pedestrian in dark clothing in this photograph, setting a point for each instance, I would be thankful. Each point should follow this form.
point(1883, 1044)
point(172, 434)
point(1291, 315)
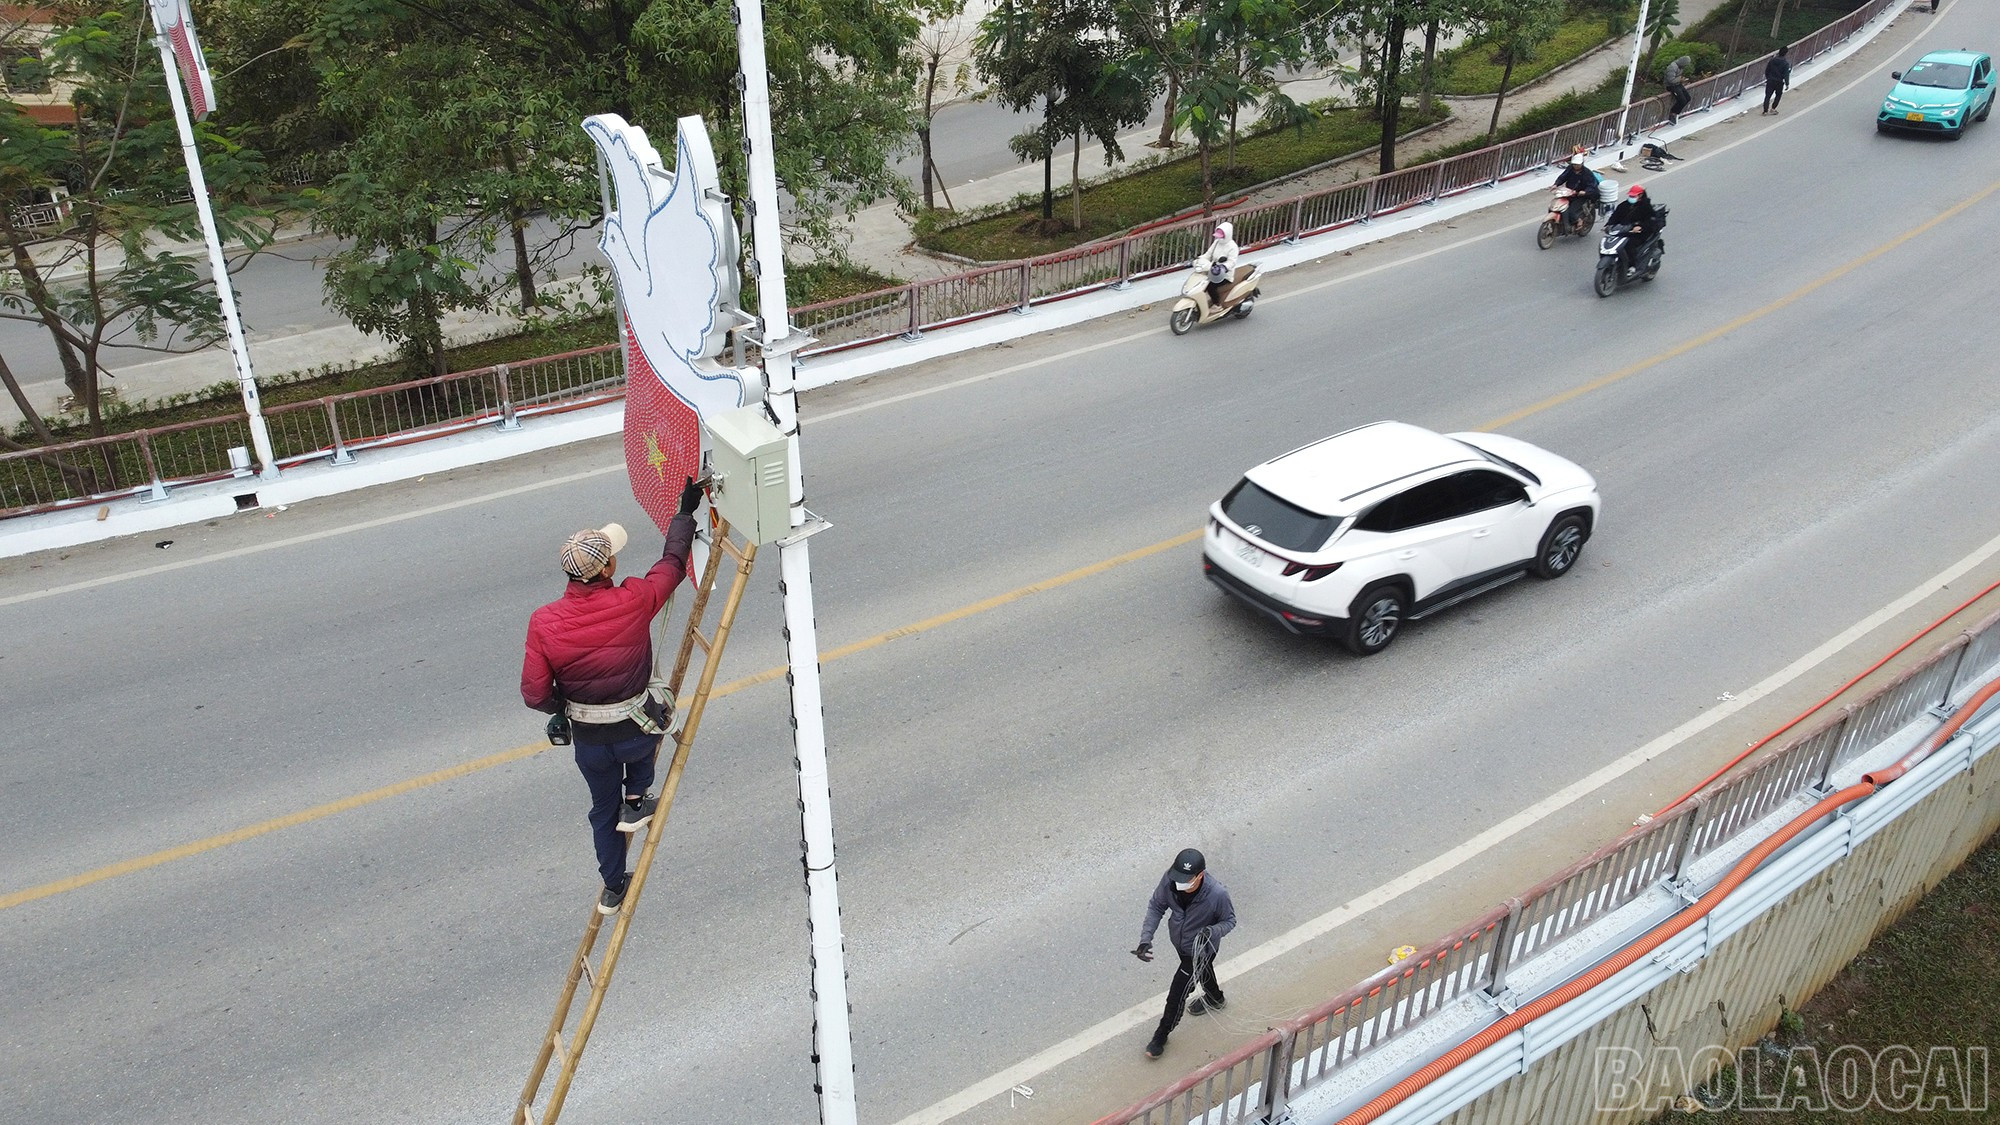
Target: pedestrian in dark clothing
point(1777, 79)
point(590, 659)
point(1199, 915)
point(1676, 83)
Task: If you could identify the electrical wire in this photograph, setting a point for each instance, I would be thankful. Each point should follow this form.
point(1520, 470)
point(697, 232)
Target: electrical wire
point(1817, 707)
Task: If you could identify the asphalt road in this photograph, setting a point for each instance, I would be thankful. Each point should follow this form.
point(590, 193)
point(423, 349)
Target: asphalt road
point(1792, 427)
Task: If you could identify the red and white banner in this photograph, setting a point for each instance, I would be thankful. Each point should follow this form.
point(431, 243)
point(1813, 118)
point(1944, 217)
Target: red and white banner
point(172, 19)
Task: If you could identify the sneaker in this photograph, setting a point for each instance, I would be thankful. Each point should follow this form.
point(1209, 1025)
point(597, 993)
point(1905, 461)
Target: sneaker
point(633, 817)
point(1157, 1047)
point(611, 900)
point(1202, 1004)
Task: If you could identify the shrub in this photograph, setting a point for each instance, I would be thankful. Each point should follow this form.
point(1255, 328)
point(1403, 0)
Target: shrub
point(1704, 59)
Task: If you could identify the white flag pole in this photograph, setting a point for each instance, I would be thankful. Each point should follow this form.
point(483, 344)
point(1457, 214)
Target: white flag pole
point(833, 1049)
point(260, 433)
point(1632, 75)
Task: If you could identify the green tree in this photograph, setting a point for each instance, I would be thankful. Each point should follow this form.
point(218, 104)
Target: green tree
point(126, 268)
point(1054, 52)
point(1516, 28)
point(843, 81)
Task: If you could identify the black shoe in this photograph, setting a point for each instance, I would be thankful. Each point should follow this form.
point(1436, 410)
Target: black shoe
point(1157, 1047)
point(611, 900)
point(633, 817)
point(1202, 1004)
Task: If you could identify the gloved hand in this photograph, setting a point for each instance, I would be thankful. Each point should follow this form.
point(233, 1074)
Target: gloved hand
point(690, 497)
point(1144, 952)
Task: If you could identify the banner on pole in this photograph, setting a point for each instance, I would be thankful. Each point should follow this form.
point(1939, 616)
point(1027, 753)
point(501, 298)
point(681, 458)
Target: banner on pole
point(172, 19)
point(673, 246)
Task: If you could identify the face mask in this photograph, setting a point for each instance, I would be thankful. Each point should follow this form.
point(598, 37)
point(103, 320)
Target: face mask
point(1184, 887)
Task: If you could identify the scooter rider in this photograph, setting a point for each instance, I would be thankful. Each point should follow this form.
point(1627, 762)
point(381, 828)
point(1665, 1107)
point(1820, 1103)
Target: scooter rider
point(1644, 218)
point(1577, 176)
point(1222, 251)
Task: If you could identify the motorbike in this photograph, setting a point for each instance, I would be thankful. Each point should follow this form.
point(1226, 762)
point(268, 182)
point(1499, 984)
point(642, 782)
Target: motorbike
point(1559, 223)
point(1239, 295)
point(1619, 264)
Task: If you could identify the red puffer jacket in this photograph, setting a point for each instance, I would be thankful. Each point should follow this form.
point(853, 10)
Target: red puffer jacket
point(595, 644)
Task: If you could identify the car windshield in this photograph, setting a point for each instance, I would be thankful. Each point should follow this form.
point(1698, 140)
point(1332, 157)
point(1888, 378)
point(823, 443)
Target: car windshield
point(1278, 522)
point(1499, 460)
point(1942, 75)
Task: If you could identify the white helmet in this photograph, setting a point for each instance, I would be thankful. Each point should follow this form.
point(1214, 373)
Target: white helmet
point(1577, 160)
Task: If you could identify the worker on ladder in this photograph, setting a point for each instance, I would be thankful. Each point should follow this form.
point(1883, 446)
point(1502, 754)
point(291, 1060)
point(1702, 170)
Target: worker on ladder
point(589, 663)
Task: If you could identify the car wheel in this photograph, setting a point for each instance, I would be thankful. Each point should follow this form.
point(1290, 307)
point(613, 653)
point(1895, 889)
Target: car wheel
point(1375, 618)
point(1545, 235)
point(1985, 113)
point(1881, 126)
point(1181, 320)
point(1561, 544)
point(1606, 281)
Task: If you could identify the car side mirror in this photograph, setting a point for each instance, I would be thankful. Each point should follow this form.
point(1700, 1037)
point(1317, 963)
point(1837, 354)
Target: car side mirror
point(1980, 85)
point(1896, 74)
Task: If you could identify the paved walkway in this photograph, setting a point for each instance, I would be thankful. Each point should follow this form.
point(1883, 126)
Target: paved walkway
point(880, 236)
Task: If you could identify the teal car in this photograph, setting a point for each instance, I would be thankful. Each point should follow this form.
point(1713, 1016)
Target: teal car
point(1943, 93)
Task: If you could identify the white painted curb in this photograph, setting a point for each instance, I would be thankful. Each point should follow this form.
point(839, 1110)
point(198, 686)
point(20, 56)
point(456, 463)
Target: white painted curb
point(196, 503)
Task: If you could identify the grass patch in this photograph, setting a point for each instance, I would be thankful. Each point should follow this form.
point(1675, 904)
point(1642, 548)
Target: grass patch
point(1573, 106)
point(1801, 18)
point(1476, 67)
point(1164, 189)
point(1931, 980)
point(814, 282)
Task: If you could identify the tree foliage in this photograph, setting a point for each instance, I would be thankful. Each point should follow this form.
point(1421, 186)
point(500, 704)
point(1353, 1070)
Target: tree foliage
point(126, 268)
point(1053, 52)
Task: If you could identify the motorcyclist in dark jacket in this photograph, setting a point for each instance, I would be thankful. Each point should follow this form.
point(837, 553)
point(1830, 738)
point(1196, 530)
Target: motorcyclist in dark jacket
point(1577, 176)
point(1644, 218)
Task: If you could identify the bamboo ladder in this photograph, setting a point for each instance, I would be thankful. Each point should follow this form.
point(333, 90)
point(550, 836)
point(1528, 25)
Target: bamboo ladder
point(580, 969)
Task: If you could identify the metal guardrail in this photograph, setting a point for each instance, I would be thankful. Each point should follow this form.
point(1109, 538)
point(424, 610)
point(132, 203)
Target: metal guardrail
point(148, 462)
point(1298, 1055)
point(911, 309)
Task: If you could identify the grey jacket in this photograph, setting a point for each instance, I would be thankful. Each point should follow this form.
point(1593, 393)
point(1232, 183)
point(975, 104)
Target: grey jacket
point(1675, 70)
point(1188, 914)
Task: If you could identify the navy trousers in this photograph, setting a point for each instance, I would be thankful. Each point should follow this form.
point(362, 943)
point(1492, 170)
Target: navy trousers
point(614, 771)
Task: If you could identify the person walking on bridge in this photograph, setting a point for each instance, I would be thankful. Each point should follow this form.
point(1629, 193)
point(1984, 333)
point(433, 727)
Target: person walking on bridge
point(1777, 79)
point(590, 661)
point(1199, 915)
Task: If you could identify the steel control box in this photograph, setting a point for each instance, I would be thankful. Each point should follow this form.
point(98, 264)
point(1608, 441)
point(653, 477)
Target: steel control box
point(749, 474)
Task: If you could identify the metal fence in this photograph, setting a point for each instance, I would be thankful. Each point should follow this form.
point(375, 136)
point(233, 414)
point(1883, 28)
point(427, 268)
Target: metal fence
point(148, 462)
point(1299, 1054)
point(911, 309)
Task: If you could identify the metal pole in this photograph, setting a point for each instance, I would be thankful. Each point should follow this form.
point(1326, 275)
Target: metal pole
point(260, 434)
point(1638, 43)
point(833, 1050)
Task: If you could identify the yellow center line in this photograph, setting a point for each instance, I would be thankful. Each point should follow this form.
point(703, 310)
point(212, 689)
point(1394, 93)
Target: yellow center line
point(519, 753)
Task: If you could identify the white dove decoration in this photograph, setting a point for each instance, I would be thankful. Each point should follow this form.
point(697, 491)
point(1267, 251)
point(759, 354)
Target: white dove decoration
point(672, 243)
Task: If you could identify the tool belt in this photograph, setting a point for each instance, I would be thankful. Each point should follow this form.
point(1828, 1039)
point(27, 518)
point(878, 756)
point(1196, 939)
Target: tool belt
point(652, 710)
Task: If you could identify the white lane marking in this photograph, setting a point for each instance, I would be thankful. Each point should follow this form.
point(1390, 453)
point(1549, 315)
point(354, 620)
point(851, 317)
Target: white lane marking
point(907, 396)
point(1139, 1014)
point(293, 541)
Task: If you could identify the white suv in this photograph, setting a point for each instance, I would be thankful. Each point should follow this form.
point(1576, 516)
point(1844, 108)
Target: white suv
point(1357, 533)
